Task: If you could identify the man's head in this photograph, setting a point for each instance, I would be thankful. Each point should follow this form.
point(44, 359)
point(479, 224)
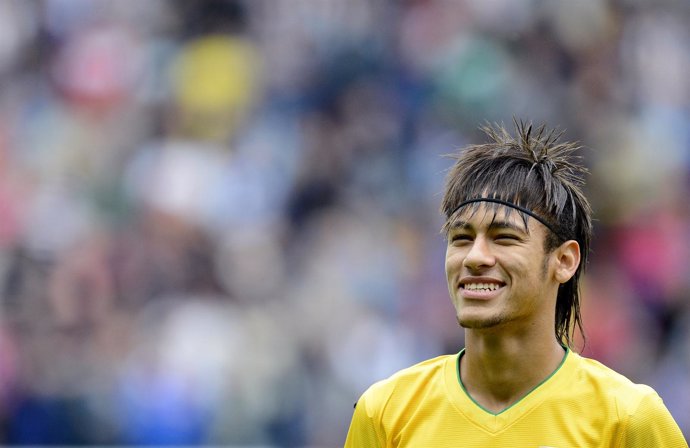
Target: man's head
point(531, 174)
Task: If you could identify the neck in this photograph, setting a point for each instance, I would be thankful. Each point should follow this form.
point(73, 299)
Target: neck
point(497, 371)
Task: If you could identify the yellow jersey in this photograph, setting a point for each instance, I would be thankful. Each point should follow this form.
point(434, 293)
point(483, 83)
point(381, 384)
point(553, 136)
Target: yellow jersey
point(582, 404)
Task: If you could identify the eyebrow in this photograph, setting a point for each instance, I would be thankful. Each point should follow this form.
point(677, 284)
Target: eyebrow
point(494, 225)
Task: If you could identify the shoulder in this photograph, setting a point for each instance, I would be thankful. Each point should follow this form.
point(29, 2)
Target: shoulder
point(627, 395)
point(407, 382)
point(643, 418)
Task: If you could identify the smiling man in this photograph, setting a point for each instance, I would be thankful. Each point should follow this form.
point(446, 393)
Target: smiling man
point(518, 229)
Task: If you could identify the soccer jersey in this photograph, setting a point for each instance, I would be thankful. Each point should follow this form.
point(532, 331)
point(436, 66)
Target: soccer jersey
point(582, 404)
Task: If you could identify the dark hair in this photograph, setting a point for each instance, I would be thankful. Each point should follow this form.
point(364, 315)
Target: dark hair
point(537, 172)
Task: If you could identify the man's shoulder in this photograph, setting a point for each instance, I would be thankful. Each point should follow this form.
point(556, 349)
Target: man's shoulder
point(426, 366)
point(604, 380)
point(644, 417)
point(411, 379)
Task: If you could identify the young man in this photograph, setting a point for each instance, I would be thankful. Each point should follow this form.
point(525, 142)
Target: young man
point(518, 228)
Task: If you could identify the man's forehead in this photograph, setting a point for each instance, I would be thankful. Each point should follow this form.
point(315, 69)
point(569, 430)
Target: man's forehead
point(485, 215)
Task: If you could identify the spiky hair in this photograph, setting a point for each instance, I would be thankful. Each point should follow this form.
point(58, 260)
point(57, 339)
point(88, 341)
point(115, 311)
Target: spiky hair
point(536, 171)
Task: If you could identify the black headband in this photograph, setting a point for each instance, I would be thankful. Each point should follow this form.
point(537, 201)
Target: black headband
point(511, 205)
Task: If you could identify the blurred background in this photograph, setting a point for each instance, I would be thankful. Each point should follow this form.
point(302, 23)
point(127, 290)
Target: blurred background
point(219, 219)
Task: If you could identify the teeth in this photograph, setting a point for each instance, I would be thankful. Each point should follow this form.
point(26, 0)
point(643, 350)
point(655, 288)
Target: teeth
point(482, 286)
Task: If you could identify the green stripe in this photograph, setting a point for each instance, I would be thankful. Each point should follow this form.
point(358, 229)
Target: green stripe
point(457, 368)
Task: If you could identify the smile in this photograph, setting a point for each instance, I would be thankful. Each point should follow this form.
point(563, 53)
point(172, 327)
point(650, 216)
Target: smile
point(481, 286)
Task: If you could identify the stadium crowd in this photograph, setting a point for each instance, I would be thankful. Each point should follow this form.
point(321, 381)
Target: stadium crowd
point(219, 219)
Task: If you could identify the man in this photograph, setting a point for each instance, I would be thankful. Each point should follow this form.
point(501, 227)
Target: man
point(518, 229)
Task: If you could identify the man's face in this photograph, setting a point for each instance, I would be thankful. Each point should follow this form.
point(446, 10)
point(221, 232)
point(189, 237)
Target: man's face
point(497, 270)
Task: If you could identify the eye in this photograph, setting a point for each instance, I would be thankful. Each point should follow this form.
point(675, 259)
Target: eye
point(507, 238)
point(460, 238)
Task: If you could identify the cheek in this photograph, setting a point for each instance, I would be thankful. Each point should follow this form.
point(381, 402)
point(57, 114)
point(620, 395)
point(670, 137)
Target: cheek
point(453, 261)
point(545, 264)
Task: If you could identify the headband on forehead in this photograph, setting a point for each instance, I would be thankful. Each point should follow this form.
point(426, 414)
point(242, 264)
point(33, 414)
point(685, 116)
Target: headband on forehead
point(511, 205)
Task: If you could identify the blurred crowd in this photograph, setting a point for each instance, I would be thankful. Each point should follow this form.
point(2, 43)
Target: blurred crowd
point(219, 219)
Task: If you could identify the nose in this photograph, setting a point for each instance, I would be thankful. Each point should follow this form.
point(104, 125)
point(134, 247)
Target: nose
point(479, 255)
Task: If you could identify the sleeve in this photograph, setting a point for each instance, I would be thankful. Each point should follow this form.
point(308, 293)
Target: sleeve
point(365, 429)
point(651, 425)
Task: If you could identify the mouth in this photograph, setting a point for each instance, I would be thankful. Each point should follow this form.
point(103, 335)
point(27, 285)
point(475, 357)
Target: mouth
point(480, 290)
point(481, 287)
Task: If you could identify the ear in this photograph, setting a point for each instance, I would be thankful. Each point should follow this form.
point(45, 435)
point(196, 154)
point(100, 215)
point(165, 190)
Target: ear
point(567, 259)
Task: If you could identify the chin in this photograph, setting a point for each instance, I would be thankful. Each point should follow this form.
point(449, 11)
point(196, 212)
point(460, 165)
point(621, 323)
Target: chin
point(479, 322)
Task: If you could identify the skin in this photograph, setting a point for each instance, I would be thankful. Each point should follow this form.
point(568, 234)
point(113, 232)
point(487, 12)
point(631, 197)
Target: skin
point(510, 342)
